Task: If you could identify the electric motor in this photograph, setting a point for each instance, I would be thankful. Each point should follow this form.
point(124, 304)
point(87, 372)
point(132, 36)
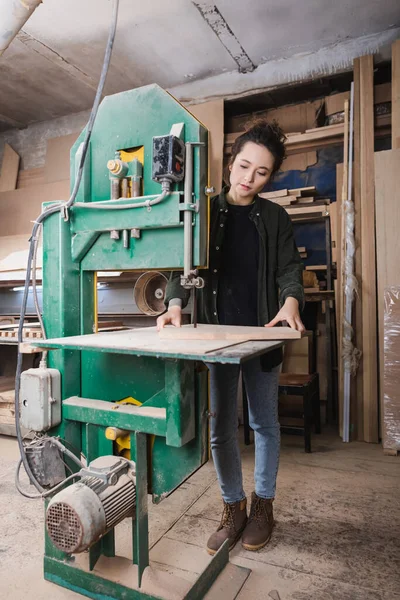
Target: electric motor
point(82, 513)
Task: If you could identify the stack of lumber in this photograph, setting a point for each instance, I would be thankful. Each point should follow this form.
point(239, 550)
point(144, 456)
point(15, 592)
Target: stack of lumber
point(29, 331)
point(302, 251)
point(375, 181)
point(299, 202)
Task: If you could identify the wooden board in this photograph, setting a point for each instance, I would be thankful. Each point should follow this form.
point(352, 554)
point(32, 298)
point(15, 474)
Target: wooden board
point(299, 162)
point(297, 355)
point(146, 341)
point(333, 223)
point(357, 399)
point(274, 194)
point(285, 201)
point(211, 114)
point(57, 166)
point(30, 177)
point(311, 210)
point(306, 191)
point(18, 208)
point(368, 249)
point(9, 169)
point(298, 143)
point(387, 185)
point(343, 192)
point(316, 267)
point(228, 332)
point(396, 94)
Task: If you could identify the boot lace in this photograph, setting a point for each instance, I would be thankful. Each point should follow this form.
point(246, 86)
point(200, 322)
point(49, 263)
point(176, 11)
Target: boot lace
point(258, 512)
point(227, 517)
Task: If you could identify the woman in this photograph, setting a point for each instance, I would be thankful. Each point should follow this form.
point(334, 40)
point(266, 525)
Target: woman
point(254, 278)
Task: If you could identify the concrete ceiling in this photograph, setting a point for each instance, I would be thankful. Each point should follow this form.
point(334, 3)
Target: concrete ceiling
point(52, 68)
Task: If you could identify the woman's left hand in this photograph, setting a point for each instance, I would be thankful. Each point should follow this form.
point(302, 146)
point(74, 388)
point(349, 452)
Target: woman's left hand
point(290, 313)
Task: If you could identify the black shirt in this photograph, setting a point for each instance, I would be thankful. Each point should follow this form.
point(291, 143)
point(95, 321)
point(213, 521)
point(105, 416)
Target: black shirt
point(238, 275)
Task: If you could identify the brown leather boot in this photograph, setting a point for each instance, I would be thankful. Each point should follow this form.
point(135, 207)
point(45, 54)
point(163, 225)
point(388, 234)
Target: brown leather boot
point(259, 525)
point(233, 521)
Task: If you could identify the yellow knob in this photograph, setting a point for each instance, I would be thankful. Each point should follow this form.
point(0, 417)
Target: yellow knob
point(112, 433)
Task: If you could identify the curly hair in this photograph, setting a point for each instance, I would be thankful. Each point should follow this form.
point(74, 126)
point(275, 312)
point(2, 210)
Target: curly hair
point(269, 135)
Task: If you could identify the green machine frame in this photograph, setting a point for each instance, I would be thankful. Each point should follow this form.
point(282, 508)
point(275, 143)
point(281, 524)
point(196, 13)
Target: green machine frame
point(168, 431)
point(169, 436)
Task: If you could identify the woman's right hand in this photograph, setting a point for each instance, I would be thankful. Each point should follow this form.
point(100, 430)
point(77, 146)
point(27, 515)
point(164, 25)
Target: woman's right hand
point(173, 316)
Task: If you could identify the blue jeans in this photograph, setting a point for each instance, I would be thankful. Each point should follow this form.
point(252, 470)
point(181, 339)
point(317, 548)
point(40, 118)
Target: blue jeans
point(262, 395)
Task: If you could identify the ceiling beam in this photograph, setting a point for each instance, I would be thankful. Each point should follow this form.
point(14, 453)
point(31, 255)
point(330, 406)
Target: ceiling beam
point(51, 55)
point(12, 122)
point(224, 33)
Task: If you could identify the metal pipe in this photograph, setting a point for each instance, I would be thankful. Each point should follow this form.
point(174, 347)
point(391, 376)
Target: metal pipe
point(14, 15)
point(135, 188)
point(124, 188)
point(115, 194)
point(188, 216)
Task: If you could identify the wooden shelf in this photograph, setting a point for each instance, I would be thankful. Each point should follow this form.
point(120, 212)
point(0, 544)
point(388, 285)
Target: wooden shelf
point(312, 139)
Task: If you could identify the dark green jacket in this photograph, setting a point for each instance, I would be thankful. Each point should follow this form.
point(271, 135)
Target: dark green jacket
point(279, 271)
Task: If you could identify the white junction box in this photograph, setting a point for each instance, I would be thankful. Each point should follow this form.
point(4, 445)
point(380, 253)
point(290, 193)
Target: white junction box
point(40, 399)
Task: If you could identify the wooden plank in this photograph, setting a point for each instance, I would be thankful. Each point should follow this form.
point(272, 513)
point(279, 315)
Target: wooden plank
point(211, 114)
point(297, 355)
point(274, 194)
point(333, 223)
point(283, 201)
point(299, 162)
point(30, 177)
point(308, 210)
point(342, 251)
point(18, 209)
point(387, 184)
point(147, 342)
point(316, 268)
point(228, 332)
point(57, 166)
point(368, 249)
point(396, 94)
point(306, 191)
point(288, 201)
point(321, 136)
point(28, 348)
point(9, 169)
point(357, 400)
point(307, 200)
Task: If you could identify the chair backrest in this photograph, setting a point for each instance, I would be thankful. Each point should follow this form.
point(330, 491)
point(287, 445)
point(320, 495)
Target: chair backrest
point(298, 355)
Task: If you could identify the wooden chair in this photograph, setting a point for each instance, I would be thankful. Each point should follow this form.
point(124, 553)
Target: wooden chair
point(304, 385)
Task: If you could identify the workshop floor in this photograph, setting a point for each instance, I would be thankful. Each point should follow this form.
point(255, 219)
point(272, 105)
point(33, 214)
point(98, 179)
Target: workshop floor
point(336, 538)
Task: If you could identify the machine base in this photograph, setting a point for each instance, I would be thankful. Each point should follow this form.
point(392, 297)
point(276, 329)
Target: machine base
point(115, 577)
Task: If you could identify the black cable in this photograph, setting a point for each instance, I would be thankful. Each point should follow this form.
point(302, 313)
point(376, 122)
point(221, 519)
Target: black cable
point(33, 240)
point(99, 93)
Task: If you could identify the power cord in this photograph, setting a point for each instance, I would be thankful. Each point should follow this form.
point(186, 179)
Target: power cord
point(33, 242)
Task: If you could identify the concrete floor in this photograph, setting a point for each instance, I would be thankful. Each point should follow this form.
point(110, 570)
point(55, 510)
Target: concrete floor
point(336, 538)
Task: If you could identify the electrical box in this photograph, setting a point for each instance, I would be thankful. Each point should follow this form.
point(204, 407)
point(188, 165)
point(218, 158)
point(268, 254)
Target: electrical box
point(40, 399)
point(168, 158)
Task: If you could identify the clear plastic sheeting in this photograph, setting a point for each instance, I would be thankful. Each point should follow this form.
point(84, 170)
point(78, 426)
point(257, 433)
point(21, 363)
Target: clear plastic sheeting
point(351, 355)
point(391, 398)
